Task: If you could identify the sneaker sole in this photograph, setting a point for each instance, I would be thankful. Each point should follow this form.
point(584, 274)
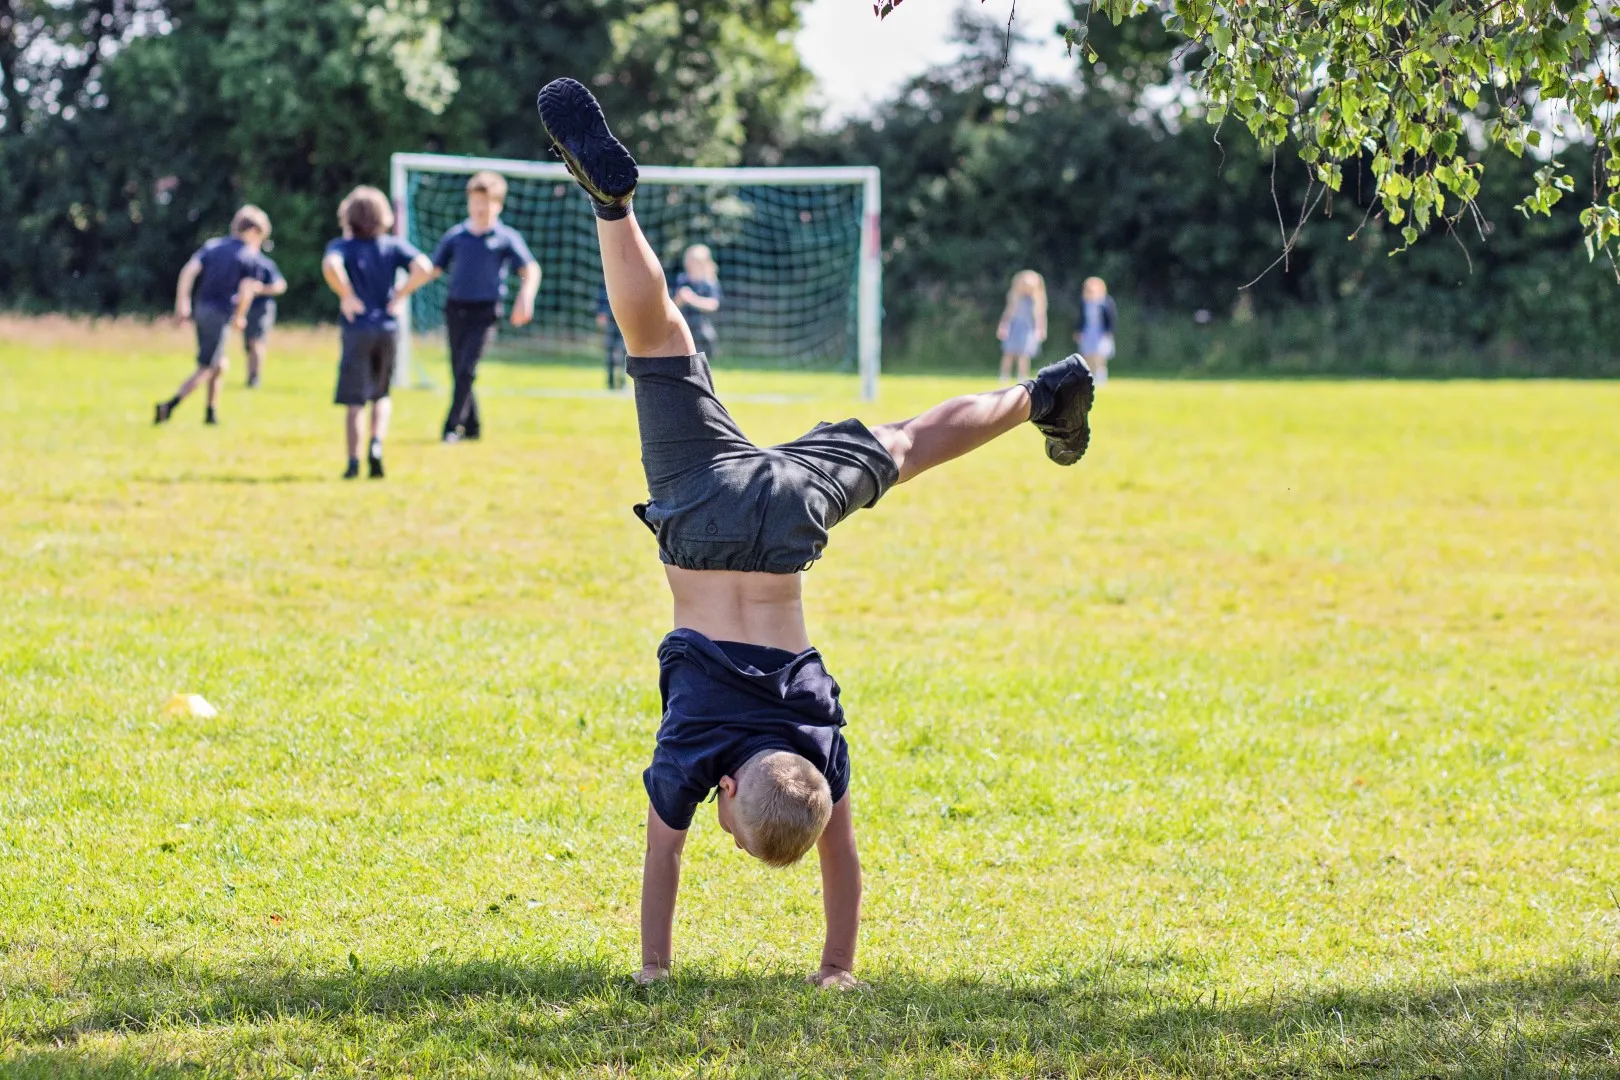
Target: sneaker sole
point(574, 122)
point(1070, 450)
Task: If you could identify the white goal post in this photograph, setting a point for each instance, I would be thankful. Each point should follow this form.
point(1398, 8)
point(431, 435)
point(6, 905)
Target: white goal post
point(865, 254)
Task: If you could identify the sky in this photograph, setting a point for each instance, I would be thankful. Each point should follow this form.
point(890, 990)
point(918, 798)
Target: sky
point(858, 60)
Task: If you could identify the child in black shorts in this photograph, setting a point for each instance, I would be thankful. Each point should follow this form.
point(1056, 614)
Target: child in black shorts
point(749, 709)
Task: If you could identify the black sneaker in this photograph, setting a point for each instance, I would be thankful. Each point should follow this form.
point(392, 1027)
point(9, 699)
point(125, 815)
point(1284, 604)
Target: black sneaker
point(374, 466)
point(353, 471)
point(1059, 406)
point(165, 409)
point(210, 418)
point(253, 382)
point(579, 132)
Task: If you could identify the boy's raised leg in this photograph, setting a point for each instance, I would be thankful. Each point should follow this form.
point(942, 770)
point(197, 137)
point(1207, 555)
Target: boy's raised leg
point(648, 319)
point(1057, 401)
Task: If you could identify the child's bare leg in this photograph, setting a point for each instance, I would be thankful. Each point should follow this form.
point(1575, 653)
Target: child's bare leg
point(255, 358)
point(381, 410)
point(195, 380)
point(351, 429)
point(648, 319)
point(952, 429)
point(1006, 366)
point(1023, 368)
point(216, 379)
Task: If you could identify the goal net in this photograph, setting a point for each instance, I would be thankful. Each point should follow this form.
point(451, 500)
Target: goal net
point(796, 249)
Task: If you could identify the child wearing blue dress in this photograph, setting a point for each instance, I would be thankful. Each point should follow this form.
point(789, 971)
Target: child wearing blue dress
point(1094, 330)
point(1023, 323)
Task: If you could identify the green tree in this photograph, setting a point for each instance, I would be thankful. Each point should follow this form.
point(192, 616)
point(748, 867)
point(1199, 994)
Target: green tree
point(1408, 84)
point(706, 82)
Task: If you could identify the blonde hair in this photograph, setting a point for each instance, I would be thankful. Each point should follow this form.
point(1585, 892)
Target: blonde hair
point(365, 213)
point(492, 184)
point(1102, 286)
point(704, 256)
point(250, 217)
point(1028, 283)
point(783, 804)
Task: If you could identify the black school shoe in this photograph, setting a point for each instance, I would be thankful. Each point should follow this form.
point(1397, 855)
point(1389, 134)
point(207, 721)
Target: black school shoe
point(580, 135)
point(1060, 398)
point(353, 471)
point(374, 465)
point(164, 411)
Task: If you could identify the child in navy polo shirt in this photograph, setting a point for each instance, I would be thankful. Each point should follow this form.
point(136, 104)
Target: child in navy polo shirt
point(698, 295)
point(261, 316)
point(477, 253)
point(361, 267)
point(227, 272)
point(750, 711)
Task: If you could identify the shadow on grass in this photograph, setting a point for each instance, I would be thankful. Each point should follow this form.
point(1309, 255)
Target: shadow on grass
point(230, 478)
point(496, 1017)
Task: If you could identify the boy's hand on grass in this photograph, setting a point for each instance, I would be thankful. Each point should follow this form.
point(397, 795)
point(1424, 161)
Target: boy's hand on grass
point(649, 974)
point(834, 978)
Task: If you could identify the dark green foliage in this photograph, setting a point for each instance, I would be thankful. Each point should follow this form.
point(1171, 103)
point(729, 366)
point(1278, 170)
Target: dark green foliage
point(290, 103)
point(986, 172)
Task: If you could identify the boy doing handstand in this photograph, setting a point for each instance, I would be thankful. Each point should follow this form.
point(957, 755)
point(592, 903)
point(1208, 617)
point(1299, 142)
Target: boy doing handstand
point(749, 709)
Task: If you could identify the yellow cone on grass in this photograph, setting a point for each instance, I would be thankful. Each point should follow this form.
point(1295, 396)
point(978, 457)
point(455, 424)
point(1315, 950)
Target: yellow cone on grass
point(190, 705)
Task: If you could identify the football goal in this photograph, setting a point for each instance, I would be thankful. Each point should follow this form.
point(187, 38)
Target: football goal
point(797, 251)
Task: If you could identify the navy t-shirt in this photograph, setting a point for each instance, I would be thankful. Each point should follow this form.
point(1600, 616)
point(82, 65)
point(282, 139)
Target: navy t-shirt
point(478, 261)
point(724, 702)
point(371, 265)
point(268, 273)
point(709, 290)
point(226, 263)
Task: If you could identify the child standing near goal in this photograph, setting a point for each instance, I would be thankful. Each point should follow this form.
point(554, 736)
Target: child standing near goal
point(750, 711)
point(698, 295)
point(478, 253)
point(225, 273)
point(361, 267)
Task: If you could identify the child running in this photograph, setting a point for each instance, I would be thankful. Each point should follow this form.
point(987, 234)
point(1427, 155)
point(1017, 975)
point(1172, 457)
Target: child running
point(360, 267)
point(261, 316)
point(1023, 323)
point(225, 273)
point(749, 709)
point(477, 253)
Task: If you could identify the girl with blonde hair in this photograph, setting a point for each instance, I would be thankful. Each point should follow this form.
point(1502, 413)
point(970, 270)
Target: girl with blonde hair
point(1023, 323)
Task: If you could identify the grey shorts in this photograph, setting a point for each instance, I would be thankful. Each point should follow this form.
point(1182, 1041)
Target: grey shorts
point(721, 503)
point(260, 318)
point(367, 365)
point(211, 323)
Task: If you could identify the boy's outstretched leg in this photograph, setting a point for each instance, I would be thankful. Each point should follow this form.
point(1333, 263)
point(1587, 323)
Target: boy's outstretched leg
point(1057, 401)
point(648, 319)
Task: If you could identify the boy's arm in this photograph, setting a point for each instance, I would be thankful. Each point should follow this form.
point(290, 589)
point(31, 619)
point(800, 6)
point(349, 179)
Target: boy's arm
point(337, 279)
point(706, 304)
point(840, 898)
point(660, 879)
point(523, 310)
point(182, 288)
point(422, 272)
point(247, 290)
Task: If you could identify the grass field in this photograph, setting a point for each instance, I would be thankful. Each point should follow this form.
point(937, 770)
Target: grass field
point(1279, 738)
